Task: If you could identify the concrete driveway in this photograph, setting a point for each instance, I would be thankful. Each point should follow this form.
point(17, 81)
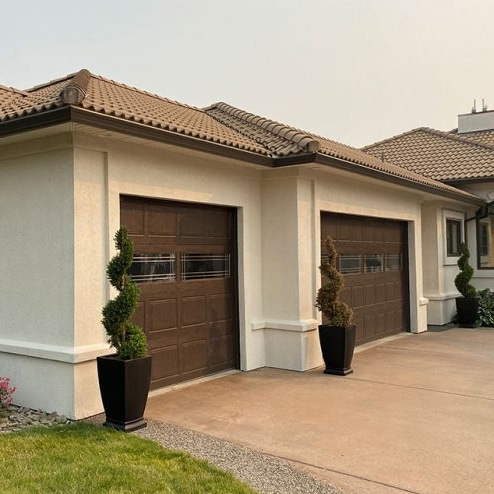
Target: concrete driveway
point(416, 416)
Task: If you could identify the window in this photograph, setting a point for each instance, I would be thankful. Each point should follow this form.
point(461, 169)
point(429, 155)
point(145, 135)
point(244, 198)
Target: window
point(205, 266)
point(485, 242)
point(349, 263)
point(373, 263)
point(149, 268)
point(394, 262)
point(453, 237)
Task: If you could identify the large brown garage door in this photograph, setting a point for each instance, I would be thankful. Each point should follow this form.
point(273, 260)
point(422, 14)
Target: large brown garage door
point(184, 262)
point(372, 255)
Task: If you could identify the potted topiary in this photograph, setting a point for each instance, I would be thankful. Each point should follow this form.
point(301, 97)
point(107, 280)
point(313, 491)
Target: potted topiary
point(466, 306)
point(337, 337)
point(124, 377)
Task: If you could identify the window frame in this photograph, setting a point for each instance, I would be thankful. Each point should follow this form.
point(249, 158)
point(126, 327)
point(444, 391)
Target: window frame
point(450, 257)
point(479, 241)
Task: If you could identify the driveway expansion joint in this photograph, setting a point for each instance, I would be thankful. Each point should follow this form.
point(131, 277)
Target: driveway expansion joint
point(462, 395)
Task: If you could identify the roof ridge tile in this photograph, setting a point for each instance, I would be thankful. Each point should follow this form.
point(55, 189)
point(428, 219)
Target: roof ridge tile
point(304, 140)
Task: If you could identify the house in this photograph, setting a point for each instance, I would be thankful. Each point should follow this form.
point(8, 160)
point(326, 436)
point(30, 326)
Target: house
point(464, 159)
point(228, 212)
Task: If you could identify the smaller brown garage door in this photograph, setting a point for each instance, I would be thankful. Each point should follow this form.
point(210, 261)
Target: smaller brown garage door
point(184, 261)
point(372, 255)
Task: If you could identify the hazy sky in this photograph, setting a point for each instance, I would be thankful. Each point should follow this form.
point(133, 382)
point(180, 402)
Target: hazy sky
point(355, 71)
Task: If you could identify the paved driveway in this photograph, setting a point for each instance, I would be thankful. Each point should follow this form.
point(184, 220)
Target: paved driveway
point(416, 416)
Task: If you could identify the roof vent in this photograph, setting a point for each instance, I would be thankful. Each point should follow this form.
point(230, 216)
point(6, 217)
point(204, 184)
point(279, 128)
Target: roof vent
point(75, 91)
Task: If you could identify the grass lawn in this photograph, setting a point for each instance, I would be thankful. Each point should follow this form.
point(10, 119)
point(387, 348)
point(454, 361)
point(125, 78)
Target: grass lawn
point(82, 458)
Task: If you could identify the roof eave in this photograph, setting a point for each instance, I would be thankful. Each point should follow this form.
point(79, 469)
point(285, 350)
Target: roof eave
point(35, 121)
point(380, 175)
point(135, 129)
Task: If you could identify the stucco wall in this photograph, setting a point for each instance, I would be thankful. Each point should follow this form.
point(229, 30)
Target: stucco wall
point(36, 266)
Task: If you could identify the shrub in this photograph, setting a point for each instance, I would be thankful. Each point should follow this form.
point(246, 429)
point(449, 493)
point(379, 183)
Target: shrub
point(327, 301)
point(486, 308)
point(128, 339)
point(6, 392)
point(462, 280)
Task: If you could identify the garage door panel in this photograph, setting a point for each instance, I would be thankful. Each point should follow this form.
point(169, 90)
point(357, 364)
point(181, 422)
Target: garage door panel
point(219, 329)
point(220, 353)
point(194, 356)
point(163, 338)
point(204, 223)
point(220, 307)
point(357, 297)
point(166, 362)
point(380, 293)
point(373, 255)
point(187, 301)
point(161, 223)
point(193, 310)
point(161, 314)
point(139, 317)
point(134, 219)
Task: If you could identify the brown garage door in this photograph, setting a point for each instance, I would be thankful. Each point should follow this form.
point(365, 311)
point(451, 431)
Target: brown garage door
point(184, 262)
point(372, 255)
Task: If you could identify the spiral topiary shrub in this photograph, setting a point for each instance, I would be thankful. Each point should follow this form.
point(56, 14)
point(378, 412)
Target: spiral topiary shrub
point(328, 297)
point(128, 339)
point(462, 280)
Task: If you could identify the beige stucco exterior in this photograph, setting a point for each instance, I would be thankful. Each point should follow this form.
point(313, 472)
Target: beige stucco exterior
point(59, 198)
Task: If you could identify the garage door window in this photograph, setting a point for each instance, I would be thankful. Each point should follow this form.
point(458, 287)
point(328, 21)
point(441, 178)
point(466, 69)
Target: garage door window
point(349, 263)
point(205, 266)
point(373, 263)
point(394, 262)
point(149, 268)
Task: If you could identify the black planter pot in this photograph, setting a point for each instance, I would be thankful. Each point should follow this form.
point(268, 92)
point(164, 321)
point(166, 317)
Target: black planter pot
point(337, 345)
point(124, 387)
point(467, 309)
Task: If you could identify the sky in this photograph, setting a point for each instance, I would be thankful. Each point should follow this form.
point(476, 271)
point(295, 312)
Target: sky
point(355, 71)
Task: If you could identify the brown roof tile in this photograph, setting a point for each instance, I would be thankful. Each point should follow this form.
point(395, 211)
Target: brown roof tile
point(482, 136)
point(438, 155)
point(219, 123)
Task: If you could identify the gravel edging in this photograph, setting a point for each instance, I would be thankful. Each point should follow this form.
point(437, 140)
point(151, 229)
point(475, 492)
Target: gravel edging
point(18, 418)
point(264, 473)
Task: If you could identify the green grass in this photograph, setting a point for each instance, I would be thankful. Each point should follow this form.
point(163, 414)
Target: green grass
point(81, 458)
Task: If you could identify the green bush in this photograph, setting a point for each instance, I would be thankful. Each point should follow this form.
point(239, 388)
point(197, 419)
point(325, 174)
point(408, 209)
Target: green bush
point(462, 280)
point(327, 301)
point(128, 339)
point(486, 308)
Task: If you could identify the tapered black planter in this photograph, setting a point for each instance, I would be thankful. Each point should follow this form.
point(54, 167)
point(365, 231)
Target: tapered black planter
point(124, 387)
point(467, 309)
point(337, 346)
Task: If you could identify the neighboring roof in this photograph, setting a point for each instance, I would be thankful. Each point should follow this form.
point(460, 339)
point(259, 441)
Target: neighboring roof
point(87, 98)
point(480, 136)
point(439, 155)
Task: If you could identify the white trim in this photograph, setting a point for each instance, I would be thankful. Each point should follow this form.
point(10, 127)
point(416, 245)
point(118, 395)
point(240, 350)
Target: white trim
point(72, 355)
point(286, 325)
point(444, 296)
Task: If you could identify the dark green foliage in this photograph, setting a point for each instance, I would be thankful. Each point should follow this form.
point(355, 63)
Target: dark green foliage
point(128, 339)
point(486, 308)
point(327, 301)
point(462, 280)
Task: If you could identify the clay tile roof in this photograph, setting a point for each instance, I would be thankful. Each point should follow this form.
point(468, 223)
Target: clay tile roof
point(101, 95)
point(280, 139)
point(220, 123)
point(482, 136)
point(439, 155)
